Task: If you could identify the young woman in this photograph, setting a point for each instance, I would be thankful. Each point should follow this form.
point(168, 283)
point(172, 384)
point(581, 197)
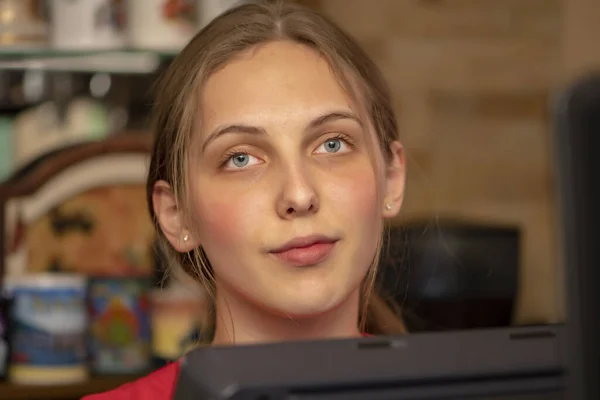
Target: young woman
point(275, 163)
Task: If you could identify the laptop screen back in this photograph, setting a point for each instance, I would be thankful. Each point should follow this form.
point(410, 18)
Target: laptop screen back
point(578, 164)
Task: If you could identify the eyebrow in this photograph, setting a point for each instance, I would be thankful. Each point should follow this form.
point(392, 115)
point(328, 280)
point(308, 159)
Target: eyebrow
point(255, 130)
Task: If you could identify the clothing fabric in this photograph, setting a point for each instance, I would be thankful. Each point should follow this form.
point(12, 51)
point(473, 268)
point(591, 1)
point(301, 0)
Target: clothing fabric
point(159, 385)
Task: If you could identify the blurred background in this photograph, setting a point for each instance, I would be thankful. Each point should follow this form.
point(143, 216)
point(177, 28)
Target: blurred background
point(86, 305)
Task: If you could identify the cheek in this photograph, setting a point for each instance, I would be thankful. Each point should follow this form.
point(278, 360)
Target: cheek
point(354, 193)
point(226, 221)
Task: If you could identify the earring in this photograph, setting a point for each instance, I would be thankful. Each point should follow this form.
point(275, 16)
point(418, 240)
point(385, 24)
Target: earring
point(388, 207)
point(186, 237)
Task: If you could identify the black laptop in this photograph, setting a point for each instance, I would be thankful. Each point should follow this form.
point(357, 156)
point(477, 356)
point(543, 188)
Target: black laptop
point(578, 166)
point(495, 364)
point(524, 363)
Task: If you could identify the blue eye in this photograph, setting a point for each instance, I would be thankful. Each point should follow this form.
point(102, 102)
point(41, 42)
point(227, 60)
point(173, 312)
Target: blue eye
point(333, 145)
point(240, 160)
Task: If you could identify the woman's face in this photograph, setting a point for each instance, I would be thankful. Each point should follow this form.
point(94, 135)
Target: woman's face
point(286, 196)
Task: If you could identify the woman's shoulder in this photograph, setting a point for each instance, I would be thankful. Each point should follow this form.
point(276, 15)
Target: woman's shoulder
point(159, 385)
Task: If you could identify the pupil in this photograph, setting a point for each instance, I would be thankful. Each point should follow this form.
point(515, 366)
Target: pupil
point(333, 145)
point(240, 160)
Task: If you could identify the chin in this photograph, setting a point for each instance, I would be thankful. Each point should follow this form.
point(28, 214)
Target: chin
point(312, 295)
point(307, 306)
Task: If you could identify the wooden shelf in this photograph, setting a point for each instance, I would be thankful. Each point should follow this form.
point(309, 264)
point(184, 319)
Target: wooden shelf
point(10, 391)
point(109, 61)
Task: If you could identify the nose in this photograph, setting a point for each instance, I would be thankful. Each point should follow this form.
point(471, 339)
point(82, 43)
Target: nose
point(298, 196)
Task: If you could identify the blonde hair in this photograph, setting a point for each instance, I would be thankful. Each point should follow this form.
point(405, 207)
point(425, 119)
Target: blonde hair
point(177, 104)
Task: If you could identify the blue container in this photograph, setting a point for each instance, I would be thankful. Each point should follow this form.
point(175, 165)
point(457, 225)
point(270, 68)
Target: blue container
point(48, 325)
point(3, 335)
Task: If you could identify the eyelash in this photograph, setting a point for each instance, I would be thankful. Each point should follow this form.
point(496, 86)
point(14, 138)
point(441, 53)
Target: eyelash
point(343, 137)
point(231, 153)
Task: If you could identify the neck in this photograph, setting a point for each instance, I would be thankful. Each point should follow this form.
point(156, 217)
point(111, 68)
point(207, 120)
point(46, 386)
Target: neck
point(240, 322)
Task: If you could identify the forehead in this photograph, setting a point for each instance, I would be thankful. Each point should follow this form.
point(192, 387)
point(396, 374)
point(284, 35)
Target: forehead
point(278, 78)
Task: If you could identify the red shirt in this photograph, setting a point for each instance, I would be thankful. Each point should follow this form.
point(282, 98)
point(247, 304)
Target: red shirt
point(159, 385)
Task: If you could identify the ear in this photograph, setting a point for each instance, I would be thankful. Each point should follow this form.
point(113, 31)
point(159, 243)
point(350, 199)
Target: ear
point(395, 180)
point(170, 218)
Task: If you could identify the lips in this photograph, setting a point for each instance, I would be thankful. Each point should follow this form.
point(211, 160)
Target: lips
point(305, 251)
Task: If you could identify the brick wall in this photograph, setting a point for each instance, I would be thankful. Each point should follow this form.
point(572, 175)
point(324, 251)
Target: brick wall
point(472, 80)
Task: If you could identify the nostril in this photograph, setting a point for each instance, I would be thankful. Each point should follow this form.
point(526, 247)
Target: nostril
point(290, 210)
